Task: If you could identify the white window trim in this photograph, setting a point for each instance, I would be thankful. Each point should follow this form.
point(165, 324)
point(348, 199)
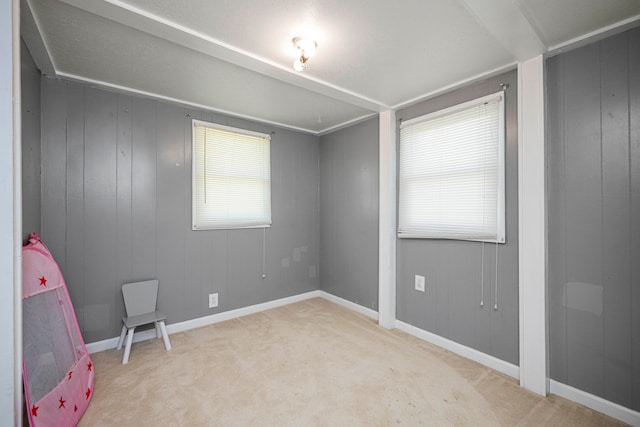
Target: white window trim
point(195, 123)
point(501, 220)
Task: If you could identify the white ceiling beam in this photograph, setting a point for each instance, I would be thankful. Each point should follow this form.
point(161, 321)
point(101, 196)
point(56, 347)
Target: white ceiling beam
point(507, 22)
point(121, 12)
point(34, 39)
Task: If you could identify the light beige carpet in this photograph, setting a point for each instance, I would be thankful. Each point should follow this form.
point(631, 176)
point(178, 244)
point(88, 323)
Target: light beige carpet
point(311, 363)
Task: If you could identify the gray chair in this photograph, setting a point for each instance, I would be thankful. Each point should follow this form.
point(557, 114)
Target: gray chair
point(140, 304)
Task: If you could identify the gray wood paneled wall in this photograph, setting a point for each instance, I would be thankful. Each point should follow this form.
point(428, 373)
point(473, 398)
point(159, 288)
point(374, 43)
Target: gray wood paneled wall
point(454, 270)
point(116, 208)
point(593, 143)
point(30, 82)
point(349, 173)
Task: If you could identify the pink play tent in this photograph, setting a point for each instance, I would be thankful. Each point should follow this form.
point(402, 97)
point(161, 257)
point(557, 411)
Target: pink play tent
point(57, 370)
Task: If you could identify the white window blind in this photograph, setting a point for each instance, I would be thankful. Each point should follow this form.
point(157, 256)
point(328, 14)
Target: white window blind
point(451, 173)
point(231, 178)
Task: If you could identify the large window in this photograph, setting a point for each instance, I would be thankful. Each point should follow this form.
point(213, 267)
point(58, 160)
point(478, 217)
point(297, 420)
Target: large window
point(451, 173)
point(231, 177)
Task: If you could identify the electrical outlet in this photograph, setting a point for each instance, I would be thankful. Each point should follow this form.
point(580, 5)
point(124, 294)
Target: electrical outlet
point(419, 283)
point(213, 300)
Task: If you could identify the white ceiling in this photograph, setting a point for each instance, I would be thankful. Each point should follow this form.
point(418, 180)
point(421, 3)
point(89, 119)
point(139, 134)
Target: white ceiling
point(236, 56)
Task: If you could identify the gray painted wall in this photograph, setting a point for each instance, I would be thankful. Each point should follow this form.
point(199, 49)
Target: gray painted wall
point(593, 148)
point(349, 216)
point(116, 207)
point(450, 307)
point(30, 143)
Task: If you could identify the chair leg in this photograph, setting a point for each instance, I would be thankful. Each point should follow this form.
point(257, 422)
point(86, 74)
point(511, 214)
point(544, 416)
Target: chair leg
point(122, 334)
point(165, 337)
point(158, 331)
point(127, 348)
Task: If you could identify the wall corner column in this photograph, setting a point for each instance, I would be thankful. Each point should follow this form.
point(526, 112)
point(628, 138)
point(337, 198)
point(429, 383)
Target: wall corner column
point(10, 216)
point(532, 229)
point(387, 221)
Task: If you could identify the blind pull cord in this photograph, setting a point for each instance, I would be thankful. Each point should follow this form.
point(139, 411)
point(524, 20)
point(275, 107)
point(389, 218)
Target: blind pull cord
point(264, 252)
point(495, 305)
point(482, 280)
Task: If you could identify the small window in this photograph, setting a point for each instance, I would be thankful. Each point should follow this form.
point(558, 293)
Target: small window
point(231, 178)
point(451, 173)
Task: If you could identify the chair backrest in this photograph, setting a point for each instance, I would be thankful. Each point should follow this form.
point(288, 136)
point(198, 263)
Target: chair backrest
point(140, 297)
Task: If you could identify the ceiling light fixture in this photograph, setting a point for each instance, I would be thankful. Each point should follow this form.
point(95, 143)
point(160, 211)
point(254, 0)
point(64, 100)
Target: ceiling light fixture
point(306, 48)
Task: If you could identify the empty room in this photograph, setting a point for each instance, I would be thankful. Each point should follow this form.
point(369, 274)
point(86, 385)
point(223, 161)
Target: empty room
point(346, 212)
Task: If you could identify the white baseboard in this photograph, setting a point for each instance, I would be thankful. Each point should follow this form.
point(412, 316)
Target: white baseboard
point(596, 403)
point(350, 305)
point(590, 401)
point(239, 312)
point(468, 352)
point(173, 328)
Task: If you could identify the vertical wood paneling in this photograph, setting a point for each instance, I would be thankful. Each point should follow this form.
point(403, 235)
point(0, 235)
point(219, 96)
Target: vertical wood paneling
point(245, 266)
point(505, 298)
point(416, 308)
point(75, 241)
point(441, 278)
point(54, 159)
point(489, 341)
point(118, 204)
point(482, 315)
point(124, 176)
point(584, 225)
point(328, 228)
point(556, 224)
point(31, 147)
point(634, 152)
point(349, 217)
point(100, 244)
point(615, 216)
point(170, 212)
point(463, 299)
point(143, 189)
point(594, 182)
